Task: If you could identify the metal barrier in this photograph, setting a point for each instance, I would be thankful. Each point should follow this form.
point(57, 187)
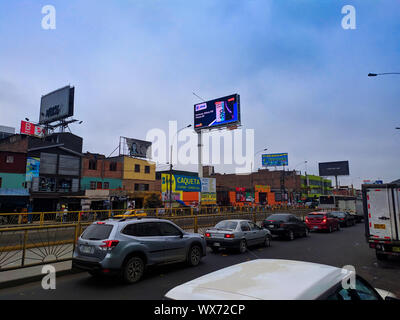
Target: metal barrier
point(31, 245)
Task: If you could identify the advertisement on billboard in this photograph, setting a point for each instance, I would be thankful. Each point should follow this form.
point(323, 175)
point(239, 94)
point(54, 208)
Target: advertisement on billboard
point(31, 129)
point(32, 168)
point(220, 112)
point(275, 160)
point(208, 198)
point(138, 148)
point(331, 169)
point(208, 185)
point(57, 105)
point(180, 183)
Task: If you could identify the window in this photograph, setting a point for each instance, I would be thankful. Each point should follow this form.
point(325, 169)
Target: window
point(168, 229)
point(113, 166)
point(97, 232)
point(106, 185)
point(230, 225)
point(137, 167)
point(92, 164)
point(92, 185)
point(147, 169)
point(136, 187)
point(147, 229)
point(254, 227)
point(362, 292)
point(9, 159)
point(99, 185)
point(146, 187)
point(1, 180)
point(245, 226)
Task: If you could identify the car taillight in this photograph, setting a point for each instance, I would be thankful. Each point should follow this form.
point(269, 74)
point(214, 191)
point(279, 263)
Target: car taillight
point(109, 244)
point(207, 235)
point(229, 236)
point(306, 219)
point(282, 225)
point(324, 221)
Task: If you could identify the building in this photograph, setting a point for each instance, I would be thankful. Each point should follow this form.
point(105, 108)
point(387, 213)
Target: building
point(14, 194)
point(315, 186)
point(6, 132)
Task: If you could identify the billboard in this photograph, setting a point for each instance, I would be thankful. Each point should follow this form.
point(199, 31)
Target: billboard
point(138, 148)
point(31, 129)
point(208, 185)
point(331, 169)
point(32, 168)
point(275, 160)
point(180, 183)
point(220, 112)
point(57, 105)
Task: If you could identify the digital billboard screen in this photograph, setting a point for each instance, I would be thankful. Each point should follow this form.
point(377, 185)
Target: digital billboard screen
point(275, 160)
point(57, 105)
point(332, 169)
point(220, 112)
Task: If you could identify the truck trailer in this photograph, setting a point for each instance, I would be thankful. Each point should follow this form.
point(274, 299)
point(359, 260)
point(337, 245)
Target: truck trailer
point(381, 203)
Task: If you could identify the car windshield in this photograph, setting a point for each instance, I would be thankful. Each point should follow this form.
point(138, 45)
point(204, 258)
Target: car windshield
point(280, 217)
point(97, 232)
point(316, 215)
point(339, 214)
point(227, 225)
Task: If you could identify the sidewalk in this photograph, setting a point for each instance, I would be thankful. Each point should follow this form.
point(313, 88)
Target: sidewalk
point(18, 277)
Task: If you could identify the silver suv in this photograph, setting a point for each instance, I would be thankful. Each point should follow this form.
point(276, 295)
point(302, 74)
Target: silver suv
point(127, 246)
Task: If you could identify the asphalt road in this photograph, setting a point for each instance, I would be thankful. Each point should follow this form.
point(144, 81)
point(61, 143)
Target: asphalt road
point(346, 247)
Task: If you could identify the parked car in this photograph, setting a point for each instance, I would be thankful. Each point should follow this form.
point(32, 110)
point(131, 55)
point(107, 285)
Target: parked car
point(270, 279)
point(237, 234)
point(285, 225)
point(322, 221)
point(125, 247)
point(345, 219)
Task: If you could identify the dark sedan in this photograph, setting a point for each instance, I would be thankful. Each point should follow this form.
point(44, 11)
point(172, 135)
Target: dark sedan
point(285, 225)
point(345, 219)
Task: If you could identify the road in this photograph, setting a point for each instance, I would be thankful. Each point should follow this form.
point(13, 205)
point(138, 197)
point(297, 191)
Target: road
point(346, 247)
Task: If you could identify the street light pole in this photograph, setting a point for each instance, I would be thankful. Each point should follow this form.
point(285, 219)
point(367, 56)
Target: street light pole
point(171, 166)
point(251, 173)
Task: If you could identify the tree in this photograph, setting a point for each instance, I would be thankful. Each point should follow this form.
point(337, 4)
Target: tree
point(153, 201)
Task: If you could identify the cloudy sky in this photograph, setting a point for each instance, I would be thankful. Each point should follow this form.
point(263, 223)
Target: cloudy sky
point(135, 63)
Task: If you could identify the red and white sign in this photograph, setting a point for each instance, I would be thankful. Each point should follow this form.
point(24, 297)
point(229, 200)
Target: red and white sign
point(31, 129)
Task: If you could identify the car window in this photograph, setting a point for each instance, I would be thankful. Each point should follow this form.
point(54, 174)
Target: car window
point(244, 226)
point(279, 217)
point(230, 225)
point(253, 226)
point(147, 229)
point(168, 229)
point(362, 291)
point(97, 232)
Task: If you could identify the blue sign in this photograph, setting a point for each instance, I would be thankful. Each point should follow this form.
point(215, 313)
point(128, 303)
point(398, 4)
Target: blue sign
point(275, 160)
point(187, 183)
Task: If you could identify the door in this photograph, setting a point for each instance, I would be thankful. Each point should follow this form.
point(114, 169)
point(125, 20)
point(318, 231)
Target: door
point(396, 192)
point(175, 242)
point(248, 234)
point(257, 234)
point(149, 235)
point(379, 204)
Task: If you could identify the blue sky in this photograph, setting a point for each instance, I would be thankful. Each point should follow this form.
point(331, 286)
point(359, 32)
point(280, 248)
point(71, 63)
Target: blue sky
point(302, 78)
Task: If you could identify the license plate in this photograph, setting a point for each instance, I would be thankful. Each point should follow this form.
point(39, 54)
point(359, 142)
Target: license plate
point(316, 227)
point(396, 249)
point(379, 226)
point(271, 225)
point(217, 244)
point(87, 249)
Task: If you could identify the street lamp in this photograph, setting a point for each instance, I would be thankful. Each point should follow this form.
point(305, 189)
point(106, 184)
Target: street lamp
point(381, 74)
point(170, 166)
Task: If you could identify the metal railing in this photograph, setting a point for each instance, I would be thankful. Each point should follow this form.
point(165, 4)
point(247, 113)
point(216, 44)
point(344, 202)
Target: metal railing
point(51, 239)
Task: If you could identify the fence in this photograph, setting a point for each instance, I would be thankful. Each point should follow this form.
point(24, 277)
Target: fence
point(46, 240)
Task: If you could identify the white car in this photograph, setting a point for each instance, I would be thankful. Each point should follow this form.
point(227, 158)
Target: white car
point(271, 279)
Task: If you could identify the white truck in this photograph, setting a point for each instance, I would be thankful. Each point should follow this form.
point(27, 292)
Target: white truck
point(381, 204)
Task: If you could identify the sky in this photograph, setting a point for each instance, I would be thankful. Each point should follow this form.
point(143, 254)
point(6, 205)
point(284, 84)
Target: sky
point(135, 64)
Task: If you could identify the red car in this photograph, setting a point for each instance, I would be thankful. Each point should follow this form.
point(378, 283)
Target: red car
point(322, 221)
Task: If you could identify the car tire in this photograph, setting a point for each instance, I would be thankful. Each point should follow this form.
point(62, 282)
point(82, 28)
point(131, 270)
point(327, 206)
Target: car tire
point(133, 270)
point(291, 236)
point(194, 255)
point(380, 256)
point(242, 246)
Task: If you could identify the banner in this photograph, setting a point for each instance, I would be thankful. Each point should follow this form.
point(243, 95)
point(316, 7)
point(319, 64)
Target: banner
point(32, 168)
point(275, 160)
point(31, 129)
point(208, 198)
point(139, 148)
point(208, 185)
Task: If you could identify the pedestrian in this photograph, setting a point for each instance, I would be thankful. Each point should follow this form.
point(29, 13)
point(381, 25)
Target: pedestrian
point(65, 214)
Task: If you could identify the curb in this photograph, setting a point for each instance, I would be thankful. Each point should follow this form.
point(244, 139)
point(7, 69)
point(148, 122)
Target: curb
point(23, 281)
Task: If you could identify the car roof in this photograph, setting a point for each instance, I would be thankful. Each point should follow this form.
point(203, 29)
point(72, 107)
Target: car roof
point(124, 221)
point(236, 220)
point(263, 279)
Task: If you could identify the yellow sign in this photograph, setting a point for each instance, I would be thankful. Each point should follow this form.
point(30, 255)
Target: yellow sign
point(379, 226)
point(208, 198)
point(261, 188)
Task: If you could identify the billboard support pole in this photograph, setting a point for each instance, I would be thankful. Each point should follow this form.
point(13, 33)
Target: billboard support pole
point(200, 160)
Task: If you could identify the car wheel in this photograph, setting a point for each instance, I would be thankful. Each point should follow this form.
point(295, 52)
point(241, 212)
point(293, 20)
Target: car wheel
point(380, 256)
point(194, 256)
point(267, 242)
point(291, 235)
point(242, 246)
point(133, 270)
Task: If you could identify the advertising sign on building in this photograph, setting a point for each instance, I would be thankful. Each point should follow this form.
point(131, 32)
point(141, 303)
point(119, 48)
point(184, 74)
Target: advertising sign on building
point(138, 148)
point(220, 112)
point(31, 129)
point(32, 168)
point(331, 169)
point(275, 160)
point(208, 198)
point(208, 185)
point(57, 105)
